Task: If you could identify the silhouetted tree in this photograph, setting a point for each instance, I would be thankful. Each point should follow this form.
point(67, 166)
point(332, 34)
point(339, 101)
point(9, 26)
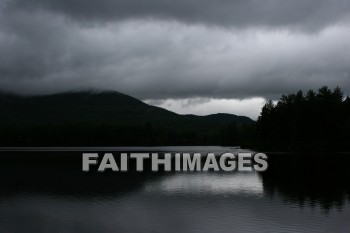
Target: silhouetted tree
point(311, 121)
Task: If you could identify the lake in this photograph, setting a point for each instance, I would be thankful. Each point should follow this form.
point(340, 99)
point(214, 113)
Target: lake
point(44, 190)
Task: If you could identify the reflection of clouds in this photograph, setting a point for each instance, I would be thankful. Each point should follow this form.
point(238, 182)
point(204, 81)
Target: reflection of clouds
point(153, 210)
point(204, 183)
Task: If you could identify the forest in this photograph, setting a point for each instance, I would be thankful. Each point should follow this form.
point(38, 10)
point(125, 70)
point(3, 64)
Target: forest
point(312, 121)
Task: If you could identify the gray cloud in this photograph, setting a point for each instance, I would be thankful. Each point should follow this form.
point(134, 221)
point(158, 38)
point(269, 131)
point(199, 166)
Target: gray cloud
point(307, 14)
point(171, 49)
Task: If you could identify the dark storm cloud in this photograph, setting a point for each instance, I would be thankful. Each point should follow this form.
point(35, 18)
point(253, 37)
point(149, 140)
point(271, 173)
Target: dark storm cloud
point(171, 49)
point(308, 14)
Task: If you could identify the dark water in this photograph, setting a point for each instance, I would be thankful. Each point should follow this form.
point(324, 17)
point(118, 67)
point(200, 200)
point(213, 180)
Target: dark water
point(47, 192)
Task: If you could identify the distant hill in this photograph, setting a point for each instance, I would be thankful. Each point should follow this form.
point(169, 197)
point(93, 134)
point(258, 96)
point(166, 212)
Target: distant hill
point(106, 118)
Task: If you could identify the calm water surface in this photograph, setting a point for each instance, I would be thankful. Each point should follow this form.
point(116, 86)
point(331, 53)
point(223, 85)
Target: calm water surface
point(47, 192)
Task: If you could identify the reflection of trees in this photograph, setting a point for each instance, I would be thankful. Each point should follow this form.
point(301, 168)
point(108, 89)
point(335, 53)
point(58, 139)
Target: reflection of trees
point(61, 174)
point(309, 179)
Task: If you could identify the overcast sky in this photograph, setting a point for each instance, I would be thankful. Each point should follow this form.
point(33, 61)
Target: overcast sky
point(190, 56)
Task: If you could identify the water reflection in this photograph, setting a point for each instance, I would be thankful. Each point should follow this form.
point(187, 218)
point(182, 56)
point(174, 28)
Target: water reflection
point(41, 193)
point(309, 179)
point(205, 183)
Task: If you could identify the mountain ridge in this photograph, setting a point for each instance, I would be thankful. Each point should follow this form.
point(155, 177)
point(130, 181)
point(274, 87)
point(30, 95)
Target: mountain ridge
point(103, 111)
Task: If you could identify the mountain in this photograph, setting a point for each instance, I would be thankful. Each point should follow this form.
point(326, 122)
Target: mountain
point(105, 118)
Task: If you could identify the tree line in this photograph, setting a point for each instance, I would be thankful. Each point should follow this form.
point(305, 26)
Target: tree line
point(316, 121)
point(311, 121)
